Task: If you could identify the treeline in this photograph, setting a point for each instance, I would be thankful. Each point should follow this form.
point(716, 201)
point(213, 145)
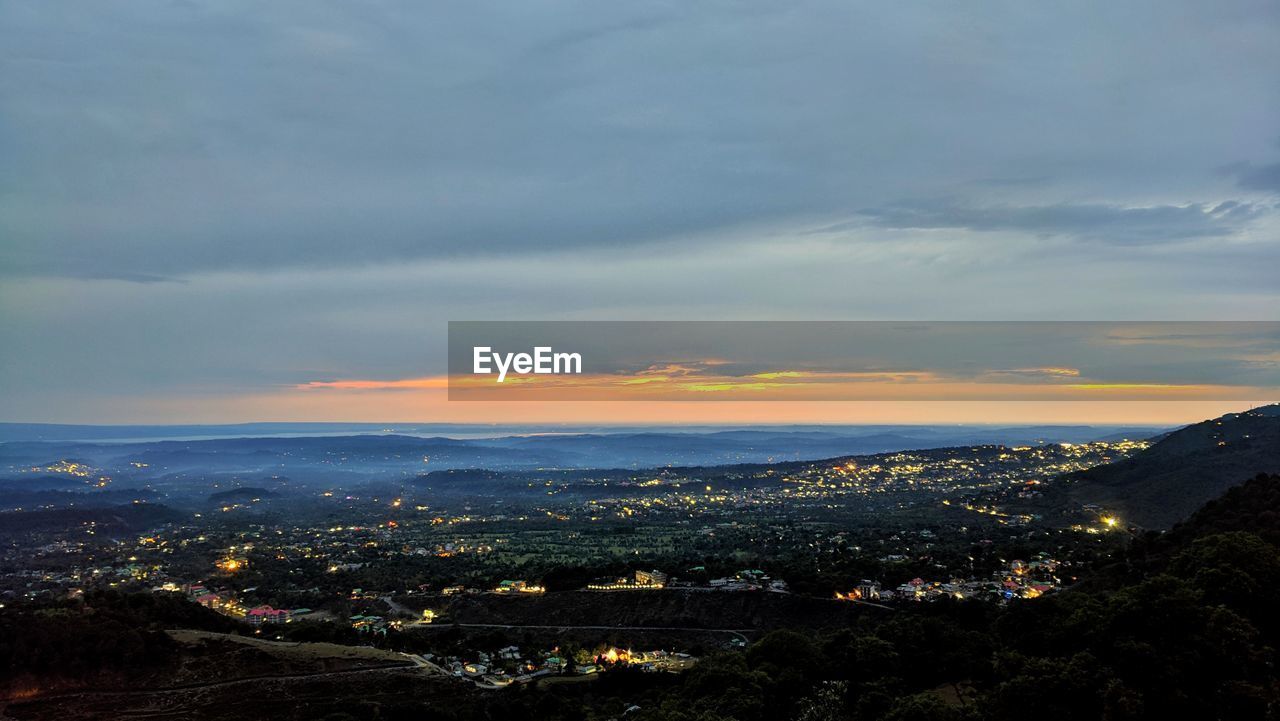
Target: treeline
point(103, 632)
point(125, 518)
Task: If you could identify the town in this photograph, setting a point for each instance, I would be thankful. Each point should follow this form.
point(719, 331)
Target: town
point(402, 570)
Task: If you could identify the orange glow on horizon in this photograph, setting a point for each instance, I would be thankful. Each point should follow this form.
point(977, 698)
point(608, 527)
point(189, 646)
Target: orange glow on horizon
point(675, 384)
point(408, 383)
point(432, 406)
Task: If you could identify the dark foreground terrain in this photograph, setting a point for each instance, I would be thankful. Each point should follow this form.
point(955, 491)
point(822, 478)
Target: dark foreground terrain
point(228, 677)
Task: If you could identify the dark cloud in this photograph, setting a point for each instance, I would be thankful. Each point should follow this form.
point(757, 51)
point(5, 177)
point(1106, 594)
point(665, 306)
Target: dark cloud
point(130, 277)
point(182, 138)
point(1257, 177)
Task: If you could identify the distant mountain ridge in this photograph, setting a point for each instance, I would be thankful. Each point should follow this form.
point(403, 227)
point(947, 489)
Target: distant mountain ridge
point(55, 432)
point(388, 455)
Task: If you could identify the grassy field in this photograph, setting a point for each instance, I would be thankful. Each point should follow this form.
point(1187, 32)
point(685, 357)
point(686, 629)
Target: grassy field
point(293, 651)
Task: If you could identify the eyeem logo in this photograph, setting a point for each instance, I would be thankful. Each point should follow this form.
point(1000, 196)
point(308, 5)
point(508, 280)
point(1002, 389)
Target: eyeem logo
point(543, 361)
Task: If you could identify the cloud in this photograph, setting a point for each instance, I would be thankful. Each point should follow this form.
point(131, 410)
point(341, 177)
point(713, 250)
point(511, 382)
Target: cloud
point(1095, 222)
point(189, 138)
point(130, 277)
point(1047, 372)
point(1257, 177)
point(436, 382)
point(332, 183)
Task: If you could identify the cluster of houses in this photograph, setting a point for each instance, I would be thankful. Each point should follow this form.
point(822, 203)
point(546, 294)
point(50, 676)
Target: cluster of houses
point(749, 580)
point(367, 623)
point(500, 668)
point(920, 590)
point(518, 587)
point(42, 581)
point(643, 660)
point(221, 601)
point(746, 580)
point(225, 602)
point(864, 591)
point(1020, 580)
point(509, 665)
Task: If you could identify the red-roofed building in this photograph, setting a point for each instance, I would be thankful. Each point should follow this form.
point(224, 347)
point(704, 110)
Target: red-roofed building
point(211, 600)
point(266, 614)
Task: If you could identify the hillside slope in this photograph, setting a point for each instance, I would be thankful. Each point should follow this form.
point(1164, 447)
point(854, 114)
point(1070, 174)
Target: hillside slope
point(1184, 470)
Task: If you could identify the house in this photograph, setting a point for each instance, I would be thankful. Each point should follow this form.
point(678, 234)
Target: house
point(915, 589)
point(214, 601)
point(640, 581)
point(266, 614)
point(869, 590)
point(518, 587)
point(372, 624)
point(651, 578)
point(1036, 590)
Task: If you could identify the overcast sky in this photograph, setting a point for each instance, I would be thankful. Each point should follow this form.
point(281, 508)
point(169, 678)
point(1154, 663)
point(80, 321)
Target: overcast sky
point(209, 201)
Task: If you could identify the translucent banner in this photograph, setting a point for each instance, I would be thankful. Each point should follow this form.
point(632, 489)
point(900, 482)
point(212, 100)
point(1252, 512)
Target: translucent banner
point(863, 360)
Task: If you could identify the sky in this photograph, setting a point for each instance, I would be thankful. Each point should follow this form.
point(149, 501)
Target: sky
point(207, 206)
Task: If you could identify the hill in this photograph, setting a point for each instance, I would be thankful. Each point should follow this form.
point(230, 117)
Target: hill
point(1185, 469)
point(319, 456)
point(1251, 507)
point(112, 521)
point(242, 494)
